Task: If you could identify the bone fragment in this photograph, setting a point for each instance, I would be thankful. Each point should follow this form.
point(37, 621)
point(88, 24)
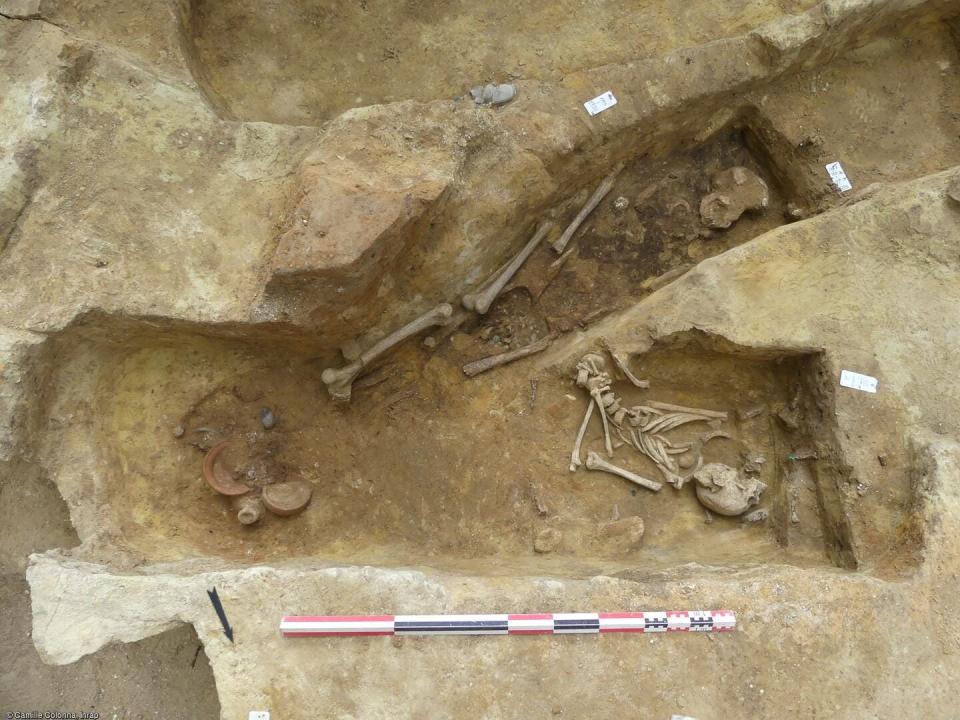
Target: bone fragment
point(480, 302)
point(620, 360)
point(751, 412)
point(536, 287)
point(606, 185)
point(681, 408)
point(707, 437)
point(595, 462)
point(339, 380)
point(555, 267)
point(655, 283)
point(575, 455)
point(488, 363)
point(541, 506)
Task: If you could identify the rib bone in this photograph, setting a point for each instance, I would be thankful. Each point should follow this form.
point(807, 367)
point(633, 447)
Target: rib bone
point(606, 185)
point(681, 408)
point(480, 302)
point(339, 380)
point(575, 455)
point(595, 462)
point(488, 363)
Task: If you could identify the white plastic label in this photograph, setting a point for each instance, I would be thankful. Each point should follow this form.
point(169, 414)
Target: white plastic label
point(839, 177)
point(259, 715)
point(857, 381)
point(600, 103)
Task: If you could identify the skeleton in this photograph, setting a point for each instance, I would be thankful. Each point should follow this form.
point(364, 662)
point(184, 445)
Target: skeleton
point(642, 426)
point(339, 381)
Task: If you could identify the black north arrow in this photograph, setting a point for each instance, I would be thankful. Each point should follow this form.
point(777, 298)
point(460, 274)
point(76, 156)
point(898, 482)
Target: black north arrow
point(218, 606)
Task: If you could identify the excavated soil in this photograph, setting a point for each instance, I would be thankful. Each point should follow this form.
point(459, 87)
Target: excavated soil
point(316, 59)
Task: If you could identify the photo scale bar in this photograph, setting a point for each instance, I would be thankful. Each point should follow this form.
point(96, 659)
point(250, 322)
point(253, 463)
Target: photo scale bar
point(520, 624)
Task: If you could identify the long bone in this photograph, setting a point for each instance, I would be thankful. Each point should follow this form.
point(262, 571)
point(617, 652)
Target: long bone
point(469, 301)
point(595, 462)
point(605, 186)
point(488, 363)
point(575, 461)
point(595, 394)
point(481, 301)
point(339, 381)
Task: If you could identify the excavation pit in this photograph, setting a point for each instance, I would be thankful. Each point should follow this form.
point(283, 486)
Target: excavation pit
point(646, 232)
point(426, 467)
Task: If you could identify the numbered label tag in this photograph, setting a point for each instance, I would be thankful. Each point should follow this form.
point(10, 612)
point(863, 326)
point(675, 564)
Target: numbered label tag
point(259, 715)
point(600, 103)
point(858, 382)
point(839, 177)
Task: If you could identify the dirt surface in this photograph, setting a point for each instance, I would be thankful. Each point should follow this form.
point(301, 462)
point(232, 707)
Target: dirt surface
point(314, 59)
point(206, 208)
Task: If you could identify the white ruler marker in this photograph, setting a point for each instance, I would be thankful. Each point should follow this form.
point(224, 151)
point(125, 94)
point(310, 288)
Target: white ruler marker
point(839, 177)
point(600, 103)
point(855, 380)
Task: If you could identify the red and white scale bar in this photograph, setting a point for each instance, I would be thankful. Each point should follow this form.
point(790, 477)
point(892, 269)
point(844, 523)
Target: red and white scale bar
point(538, 624)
